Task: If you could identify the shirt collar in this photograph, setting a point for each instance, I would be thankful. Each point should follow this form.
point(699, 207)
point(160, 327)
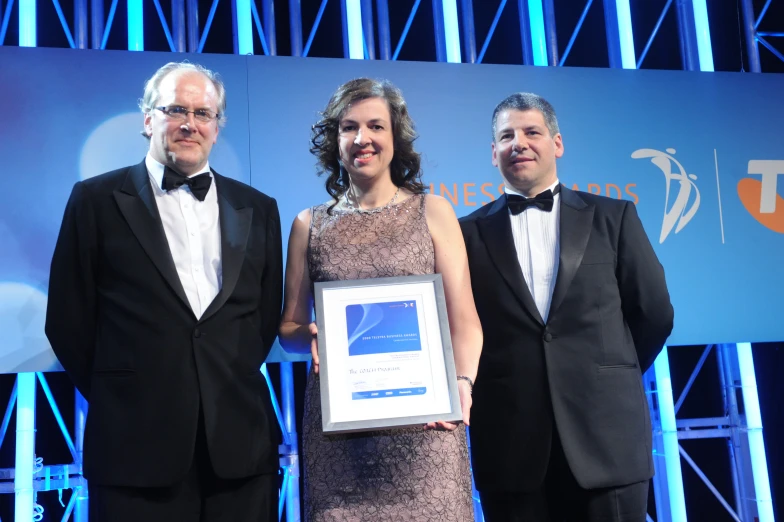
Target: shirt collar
point(155, 170)
point(510, 190)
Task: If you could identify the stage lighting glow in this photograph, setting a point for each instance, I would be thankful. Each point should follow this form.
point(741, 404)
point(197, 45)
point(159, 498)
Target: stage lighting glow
point(27, 21)
point(625, 34)
point(702, 29)
point(451, 32)
point(538, 36)
point(672, 455)
point(759, 463)
point(356, 48)
point(135, 25)
point(25, 447)
point(276, 405)
point(244, 27)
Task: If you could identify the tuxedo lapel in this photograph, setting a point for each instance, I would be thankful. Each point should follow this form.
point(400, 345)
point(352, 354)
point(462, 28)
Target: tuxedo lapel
point(137, 205)
point(575, 229)
point(235, 224)
point(496, 231)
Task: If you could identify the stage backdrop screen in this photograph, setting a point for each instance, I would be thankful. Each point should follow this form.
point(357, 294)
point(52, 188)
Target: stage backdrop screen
point(699, 154)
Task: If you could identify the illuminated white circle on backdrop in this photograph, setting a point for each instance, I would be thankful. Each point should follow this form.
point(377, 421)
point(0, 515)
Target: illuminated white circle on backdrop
point(118, 142)
point(25, 347)
point(115, 143)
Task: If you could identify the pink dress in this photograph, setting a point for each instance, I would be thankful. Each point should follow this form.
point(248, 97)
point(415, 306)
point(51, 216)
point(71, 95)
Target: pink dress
point(395, 475)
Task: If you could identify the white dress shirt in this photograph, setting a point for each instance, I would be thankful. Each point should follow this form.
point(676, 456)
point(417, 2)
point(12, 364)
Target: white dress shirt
point(537, 242)
point(193, 232)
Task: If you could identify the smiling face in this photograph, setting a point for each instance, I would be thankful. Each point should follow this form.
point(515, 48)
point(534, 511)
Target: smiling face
point(183, 146)
point(525, 152)
point(365, 139)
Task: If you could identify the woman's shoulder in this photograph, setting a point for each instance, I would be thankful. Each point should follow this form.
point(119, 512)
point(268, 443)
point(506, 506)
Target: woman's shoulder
point(438, 207)
point(318, 209)
point(301, 224)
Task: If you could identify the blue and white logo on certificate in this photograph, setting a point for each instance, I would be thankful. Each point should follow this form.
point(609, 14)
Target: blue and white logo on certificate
point(388, 327)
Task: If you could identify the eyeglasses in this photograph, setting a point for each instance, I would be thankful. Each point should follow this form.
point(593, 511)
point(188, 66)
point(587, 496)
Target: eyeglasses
point(177, 113)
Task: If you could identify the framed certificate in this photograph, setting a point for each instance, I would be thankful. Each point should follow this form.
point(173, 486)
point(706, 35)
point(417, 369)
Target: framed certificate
point(385, 354)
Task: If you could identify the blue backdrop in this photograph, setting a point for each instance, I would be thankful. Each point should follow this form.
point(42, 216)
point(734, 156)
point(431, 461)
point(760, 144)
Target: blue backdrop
point(678, 144)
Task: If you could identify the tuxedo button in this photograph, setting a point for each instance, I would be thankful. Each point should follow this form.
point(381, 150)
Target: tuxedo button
point(548, 337)
point(197, 333)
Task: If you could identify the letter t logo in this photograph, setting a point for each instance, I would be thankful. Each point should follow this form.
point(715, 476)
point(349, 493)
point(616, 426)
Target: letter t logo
point(770, 170)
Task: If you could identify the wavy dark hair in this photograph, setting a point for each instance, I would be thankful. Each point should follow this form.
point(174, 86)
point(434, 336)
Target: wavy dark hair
point(406, 162)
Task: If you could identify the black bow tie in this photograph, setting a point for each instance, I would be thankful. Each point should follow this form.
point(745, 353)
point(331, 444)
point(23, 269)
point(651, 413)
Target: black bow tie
point(543, 201)
point(199, 185)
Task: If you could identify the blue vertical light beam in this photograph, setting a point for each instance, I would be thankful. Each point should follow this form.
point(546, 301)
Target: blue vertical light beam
point(25, 447)
point(27, 23)
point(356, 49)
point(538, 36)
point(451, 31)
point(759, 462)
point(135, 25)
point(625, 34)
point(672, 456)
point(244, 27)
point(702, 28)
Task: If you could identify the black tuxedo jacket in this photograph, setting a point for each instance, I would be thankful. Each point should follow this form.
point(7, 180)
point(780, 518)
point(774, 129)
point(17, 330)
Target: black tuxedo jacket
point(581, 370)
point(119, 322)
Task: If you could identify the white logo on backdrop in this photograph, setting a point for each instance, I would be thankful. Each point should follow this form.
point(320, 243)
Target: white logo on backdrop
point(681, 211)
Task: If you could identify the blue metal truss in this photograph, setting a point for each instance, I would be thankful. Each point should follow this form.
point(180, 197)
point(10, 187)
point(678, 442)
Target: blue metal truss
point(753, 36)
point(31, 475)
point(315, 26)
point(491, 31)
point(654, 33)
point(406, 28)
point(575, 32)
point(6, 18)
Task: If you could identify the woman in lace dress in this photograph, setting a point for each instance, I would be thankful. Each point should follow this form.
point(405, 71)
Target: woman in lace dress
point(379, 223)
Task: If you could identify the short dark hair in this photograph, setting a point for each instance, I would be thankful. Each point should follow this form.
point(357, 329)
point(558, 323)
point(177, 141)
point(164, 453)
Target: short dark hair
point(406, 163)
point(526, 101)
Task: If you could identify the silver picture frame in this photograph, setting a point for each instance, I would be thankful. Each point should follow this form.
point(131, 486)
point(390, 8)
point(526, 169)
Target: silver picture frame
point(385, 354)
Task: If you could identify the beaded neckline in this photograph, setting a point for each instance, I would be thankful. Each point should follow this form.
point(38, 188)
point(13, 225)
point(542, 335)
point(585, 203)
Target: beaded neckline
point(347, 207)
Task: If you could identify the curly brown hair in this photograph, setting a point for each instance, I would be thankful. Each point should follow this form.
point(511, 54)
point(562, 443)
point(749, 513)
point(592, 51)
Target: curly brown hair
point(405, 167)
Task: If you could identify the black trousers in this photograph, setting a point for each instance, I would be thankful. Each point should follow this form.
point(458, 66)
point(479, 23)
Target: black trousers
point(561, 499)
point(202, 496)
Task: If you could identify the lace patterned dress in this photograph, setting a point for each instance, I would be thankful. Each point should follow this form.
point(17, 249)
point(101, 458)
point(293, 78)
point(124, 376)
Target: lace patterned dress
point(398, 475)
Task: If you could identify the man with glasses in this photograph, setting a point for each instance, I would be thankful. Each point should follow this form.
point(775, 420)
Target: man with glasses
point(164, 300)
